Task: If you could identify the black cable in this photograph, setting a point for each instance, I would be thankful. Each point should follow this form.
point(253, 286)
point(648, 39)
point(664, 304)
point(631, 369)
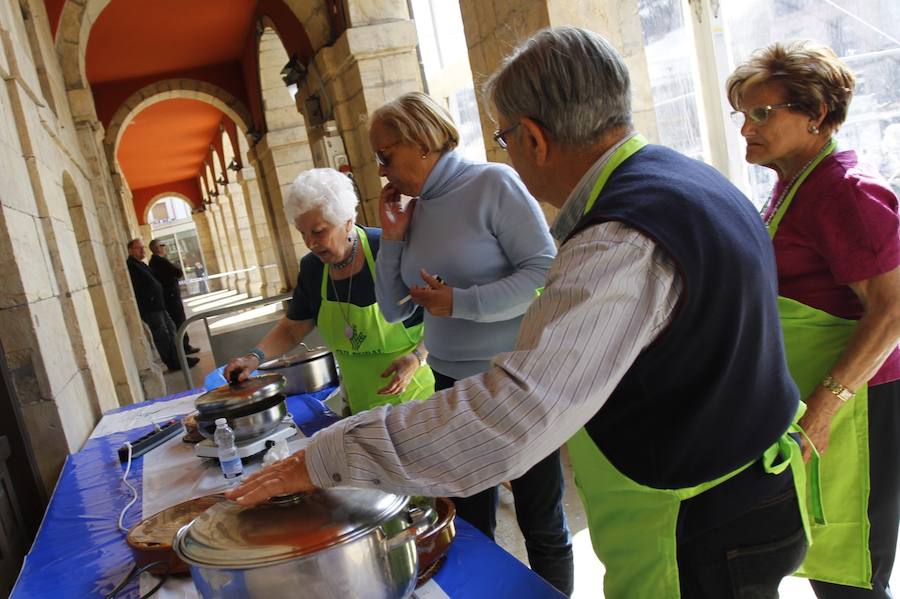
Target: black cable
point(134, 573)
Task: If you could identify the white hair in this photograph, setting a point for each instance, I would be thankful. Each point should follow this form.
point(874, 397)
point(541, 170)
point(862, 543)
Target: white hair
point(325, 189)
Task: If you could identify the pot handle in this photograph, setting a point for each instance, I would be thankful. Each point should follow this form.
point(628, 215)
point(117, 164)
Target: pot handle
point(304, 346)
point(418, 524)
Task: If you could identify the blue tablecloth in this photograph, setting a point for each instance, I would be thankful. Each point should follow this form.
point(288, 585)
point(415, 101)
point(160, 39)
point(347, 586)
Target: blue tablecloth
point(79, 551)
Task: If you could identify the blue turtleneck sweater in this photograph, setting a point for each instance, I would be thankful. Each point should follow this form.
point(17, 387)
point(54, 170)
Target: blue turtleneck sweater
point(478, 228)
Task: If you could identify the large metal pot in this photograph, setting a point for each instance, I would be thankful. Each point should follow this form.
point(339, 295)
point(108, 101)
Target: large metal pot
point(305, 371)
point(252, 407)
point(333, 543)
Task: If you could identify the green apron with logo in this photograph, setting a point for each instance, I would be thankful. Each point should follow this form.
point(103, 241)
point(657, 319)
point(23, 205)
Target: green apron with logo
point(375, 343)
point(814, 340)
point(633, 526)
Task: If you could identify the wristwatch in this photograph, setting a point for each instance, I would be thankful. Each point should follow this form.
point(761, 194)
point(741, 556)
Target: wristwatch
point(839, 391)
point(420, 355)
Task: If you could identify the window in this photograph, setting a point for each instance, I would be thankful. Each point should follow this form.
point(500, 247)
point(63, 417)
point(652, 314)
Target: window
point(448, 76)
point(859, 31)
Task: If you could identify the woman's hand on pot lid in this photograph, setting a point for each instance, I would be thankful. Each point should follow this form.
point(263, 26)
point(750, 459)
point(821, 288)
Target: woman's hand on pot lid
point(436, 296)
point(243, 366)
point(403, 369)
point(286, 476)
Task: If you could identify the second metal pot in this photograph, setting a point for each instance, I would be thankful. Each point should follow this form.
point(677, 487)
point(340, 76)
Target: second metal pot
point(305, 371)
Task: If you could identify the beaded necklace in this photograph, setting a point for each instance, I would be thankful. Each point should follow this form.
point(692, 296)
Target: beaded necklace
point(770, 210)
point(349, 260)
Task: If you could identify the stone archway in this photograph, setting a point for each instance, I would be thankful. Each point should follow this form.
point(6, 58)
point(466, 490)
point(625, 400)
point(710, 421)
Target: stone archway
point(171, 89)
point(161, 196)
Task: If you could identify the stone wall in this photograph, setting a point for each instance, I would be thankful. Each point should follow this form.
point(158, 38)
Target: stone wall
point(49, 223)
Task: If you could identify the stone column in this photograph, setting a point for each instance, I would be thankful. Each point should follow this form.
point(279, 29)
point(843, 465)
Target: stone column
point(230, 241)
point(262, 231)
point(279, 157)
point(210, 259)
point(494, 27)
point(218, 237)
point(251, 279)
point(370, 63)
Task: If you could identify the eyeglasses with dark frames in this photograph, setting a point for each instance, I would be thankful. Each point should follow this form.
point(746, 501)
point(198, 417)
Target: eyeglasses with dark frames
point(758, 114)
point(381, 159)
point(500, 136)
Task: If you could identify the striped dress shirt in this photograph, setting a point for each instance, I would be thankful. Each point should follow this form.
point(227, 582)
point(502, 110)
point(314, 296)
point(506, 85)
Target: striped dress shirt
point(609, 293)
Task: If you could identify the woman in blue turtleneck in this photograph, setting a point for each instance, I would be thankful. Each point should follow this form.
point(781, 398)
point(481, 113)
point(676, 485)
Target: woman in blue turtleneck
point(476, 226)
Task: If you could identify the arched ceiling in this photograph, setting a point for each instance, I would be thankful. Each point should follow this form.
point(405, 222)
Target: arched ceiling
point(134, 43)
point(140, 38)
point(148, 154)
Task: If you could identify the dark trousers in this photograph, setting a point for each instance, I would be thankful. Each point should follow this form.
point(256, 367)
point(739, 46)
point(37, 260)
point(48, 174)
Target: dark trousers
point(745, 557)
point(163, 330)
point(176, 310)
point(538, 496)
point(884, 495)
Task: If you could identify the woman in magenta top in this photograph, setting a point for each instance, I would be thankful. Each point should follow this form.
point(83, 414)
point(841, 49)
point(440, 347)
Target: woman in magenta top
point(836, 234)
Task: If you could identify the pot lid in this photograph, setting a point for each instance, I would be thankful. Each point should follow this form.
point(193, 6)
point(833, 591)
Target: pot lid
point(241, 394)
point(228, 535)
point(298, 358)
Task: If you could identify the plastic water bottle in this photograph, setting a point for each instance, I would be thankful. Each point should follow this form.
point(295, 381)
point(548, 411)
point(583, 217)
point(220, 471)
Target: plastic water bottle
point(228, 456)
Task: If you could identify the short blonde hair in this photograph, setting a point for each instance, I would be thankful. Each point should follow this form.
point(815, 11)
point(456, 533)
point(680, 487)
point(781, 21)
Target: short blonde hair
point(811, 75)
point(419, 120)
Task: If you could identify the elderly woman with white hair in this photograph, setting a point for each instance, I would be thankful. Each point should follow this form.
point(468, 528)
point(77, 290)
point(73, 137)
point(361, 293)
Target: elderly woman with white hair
point(380, 362)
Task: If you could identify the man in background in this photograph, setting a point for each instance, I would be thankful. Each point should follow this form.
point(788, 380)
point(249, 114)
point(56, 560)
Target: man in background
point(149, 295)
point(168, 276)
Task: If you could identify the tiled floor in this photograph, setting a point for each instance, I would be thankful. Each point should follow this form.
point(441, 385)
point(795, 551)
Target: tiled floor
point(588, 569)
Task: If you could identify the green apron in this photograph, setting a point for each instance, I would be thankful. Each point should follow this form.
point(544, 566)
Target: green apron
point(633, 526)
point(814, 340)
point(375, 343)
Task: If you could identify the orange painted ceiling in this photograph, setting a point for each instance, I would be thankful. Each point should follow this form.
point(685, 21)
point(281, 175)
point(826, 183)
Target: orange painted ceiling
point(134, 39)
point(167, 142)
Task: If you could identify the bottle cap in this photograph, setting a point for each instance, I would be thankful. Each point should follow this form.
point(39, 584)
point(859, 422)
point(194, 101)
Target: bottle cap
point(221, 422)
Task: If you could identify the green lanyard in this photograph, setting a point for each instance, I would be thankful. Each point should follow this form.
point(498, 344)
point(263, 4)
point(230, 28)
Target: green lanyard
point(795, 185)
point(622, 153)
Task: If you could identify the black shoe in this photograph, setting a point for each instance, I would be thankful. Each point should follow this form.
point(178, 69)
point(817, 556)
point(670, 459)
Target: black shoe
point(191, 349)
point(174, 367)
point(192, 362)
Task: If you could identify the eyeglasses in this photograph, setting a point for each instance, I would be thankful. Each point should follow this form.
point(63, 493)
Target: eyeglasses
point(381, 159)
point(500, 136)
point(759, 114)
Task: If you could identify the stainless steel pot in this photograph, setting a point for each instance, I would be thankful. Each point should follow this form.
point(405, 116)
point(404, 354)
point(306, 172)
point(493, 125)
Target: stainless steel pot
point(305, 371)
point(333, 543)
point(248, 426)
point(252, 407)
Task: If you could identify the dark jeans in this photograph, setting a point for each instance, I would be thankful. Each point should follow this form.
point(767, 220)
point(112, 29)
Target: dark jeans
point(884, 495)
point(175, 308)
point(538, 498)
point(163, 330)
point(747, 556)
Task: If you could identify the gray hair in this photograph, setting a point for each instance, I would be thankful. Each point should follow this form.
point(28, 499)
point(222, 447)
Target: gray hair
point(571, 81)
point(325, 189)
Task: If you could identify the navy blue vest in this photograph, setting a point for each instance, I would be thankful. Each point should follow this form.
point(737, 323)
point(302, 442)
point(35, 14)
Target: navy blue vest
point(713, 391)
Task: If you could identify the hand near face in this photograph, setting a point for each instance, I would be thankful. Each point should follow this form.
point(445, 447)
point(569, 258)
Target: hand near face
point(436, 297)
point(403, 369)
point(289, 475)
point(394, 218)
